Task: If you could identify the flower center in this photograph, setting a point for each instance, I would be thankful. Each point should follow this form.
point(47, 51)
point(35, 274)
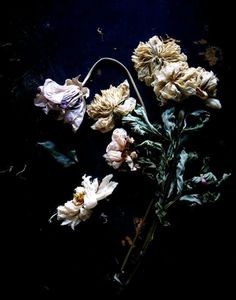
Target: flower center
point(78, 198)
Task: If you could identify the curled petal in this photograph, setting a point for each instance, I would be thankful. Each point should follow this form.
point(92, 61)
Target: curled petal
point(120, 136)
point(106, 187)
point(67, 99)
point(126, 107)
point(104, 124)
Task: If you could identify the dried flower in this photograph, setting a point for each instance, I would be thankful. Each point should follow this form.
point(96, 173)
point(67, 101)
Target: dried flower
point(118, 151)
point(174, 81)
point(113, 101)
point(85, 198)
point(206, 87)
point(67, 99)
point(149, 57)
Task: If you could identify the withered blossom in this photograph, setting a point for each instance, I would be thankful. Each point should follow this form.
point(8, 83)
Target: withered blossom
point(115, 101)
point(207, 88)
point(67, 99)
point(118, 151)
point(150, 56)
point(175, 81)
point(84, 199)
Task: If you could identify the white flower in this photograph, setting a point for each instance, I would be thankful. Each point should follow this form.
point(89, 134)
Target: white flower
point(67, 99)
point(118, 150)
point(85, 198)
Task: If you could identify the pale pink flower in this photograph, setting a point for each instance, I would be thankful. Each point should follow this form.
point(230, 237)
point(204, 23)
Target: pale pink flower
point(118, 151)
point(67, 99)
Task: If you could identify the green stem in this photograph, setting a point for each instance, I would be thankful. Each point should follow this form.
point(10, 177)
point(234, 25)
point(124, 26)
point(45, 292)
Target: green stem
point(148, 240)
point(135, 239)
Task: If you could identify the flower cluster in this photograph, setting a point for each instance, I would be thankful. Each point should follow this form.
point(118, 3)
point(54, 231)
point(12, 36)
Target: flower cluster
point(161, 64)
point(156, 151)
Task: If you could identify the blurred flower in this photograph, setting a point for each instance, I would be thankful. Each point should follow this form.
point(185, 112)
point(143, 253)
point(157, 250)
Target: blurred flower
point(149, 57)
point(114, 101)
point(85, 198)
point(67, 99)
point(118, 151)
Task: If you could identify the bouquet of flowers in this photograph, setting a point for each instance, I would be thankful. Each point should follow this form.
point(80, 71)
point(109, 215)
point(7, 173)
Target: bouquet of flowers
point(159, 151)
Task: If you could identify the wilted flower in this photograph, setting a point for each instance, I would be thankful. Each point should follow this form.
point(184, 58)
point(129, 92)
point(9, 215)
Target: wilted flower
point(67, 99)
point(113, 101)
point(118, 151)
point(85, 198)
point(206, 87)
point(174, 81)
point(149, 57)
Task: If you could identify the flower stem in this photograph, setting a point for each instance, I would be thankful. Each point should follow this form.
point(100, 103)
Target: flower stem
point(131, 80)
point(131, 263)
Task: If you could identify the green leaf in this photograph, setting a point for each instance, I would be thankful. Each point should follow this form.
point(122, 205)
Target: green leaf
point(210, 197)
point(136, 124)
point(191, 198)
point(168, 119)
point(161, 213)
point(224, 177)
point(205, 166)
point(66, 159)
point(199, 118)
point(139, 111)
point(180, 171)
point(146, 162)
point(152, 145)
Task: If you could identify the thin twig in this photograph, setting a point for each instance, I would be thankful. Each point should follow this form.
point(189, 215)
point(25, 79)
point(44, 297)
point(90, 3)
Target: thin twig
point(23, 170)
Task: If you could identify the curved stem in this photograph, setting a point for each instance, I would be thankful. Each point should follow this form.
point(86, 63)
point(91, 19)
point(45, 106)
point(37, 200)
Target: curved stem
point(124, 67)
point(131, 80)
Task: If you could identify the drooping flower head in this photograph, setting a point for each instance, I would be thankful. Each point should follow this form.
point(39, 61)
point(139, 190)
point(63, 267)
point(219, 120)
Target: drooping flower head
point(207, 87)
point(118, 151)
point(115, 101)
point(67, 99)
point(150, 56)
point(84, 199)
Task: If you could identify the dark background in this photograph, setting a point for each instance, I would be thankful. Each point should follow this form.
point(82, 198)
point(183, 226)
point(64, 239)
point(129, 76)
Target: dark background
point(59, 40)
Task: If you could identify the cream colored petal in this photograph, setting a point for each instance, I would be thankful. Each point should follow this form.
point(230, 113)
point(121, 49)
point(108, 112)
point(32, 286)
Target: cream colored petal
point(126, 107)
point(123, 91)
point(170, 92)
point(104, 124)
point(90, 200)
point(106, 187)
point(88, 184)
point(85, 214)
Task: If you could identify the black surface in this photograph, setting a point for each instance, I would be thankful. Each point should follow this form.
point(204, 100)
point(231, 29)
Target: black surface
point(59, 40)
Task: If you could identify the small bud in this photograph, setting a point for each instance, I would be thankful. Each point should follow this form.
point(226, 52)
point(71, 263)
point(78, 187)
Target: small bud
point(213, 103)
